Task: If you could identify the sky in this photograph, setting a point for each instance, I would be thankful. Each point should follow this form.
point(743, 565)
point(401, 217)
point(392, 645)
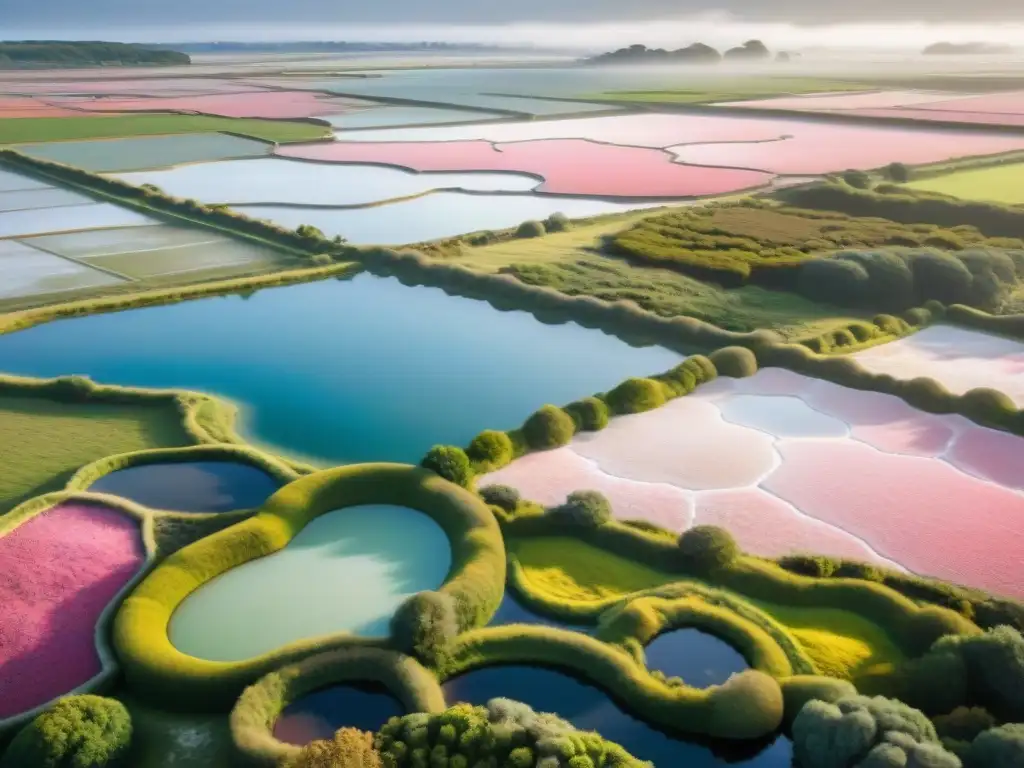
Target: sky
point(575, 23)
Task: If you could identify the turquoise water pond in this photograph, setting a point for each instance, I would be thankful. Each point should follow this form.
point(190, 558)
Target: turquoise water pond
point(346, 571)
point(344, 371)
point(192, 486)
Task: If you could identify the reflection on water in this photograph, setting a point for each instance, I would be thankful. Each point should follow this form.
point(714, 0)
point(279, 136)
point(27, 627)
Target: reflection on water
point(194, 486)
point(589, 708)
point(363, 705)
point(698, 658)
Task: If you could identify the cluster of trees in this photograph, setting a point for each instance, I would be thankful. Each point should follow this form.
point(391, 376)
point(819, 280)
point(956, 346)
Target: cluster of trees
point(697, 53)
point(43, 53)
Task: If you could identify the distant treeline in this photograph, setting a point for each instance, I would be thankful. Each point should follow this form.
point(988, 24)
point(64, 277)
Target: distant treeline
point(697, 53)
point(63, 53)
point(315, 46)
point(952, 49)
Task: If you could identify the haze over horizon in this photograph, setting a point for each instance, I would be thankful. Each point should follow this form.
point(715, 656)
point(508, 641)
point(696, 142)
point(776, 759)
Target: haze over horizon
point(569, 24)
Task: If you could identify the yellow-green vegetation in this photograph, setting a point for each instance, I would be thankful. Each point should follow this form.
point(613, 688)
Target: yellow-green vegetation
point(712, 89)
point(259, 706)
point(40, 129)
point(1000, 184)
point(153, 665)
point(49, 440)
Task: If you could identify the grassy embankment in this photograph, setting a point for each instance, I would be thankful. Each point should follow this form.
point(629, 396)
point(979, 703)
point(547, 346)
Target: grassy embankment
point(840, 642)
point(573, 262)
point(713, 89)
point(41, 129)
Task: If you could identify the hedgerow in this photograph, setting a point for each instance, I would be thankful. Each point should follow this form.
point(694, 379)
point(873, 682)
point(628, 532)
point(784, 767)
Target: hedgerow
point(76, 732)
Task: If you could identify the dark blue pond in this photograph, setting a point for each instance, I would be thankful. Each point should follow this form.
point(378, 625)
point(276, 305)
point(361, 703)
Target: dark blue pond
point(511, 611)
point(366, 706)
point(194, 486)
point(698, 658)
point(359, 370)
point(590, 709)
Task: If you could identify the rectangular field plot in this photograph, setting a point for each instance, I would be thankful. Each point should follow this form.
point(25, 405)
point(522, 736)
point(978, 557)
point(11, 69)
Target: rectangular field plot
point(44, 197)
point(179, 259)
point(25, 271)
point(108, 155)
point(154, 251)
point(1000, 184)
point(68, 219)
point(14, 182)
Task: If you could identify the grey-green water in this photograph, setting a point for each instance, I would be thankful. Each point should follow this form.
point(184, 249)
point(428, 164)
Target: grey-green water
point(346, 571)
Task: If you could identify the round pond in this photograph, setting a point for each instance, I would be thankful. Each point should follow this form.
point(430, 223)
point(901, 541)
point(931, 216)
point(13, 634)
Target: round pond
point(346, 571)
point(590, 709)
point(700, 659)
point(363, 705)
point(193, 486)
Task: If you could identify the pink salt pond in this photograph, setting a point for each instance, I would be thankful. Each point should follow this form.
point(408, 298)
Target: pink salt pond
point(922, 513)
point(995, 456)
point(269, 104)
point(58, 572)
point(567, 166)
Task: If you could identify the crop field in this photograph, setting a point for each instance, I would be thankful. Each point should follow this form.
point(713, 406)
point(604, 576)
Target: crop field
point(1001, 184)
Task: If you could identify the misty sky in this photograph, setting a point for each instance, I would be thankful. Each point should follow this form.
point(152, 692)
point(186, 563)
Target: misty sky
point(518, 20)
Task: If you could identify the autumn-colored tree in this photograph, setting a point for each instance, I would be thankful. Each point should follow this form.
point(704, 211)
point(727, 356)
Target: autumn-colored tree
point(350, 748)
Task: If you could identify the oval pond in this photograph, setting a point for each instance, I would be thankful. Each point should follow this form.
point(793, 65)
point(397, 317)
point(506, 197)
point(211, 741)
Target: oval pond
point(699, 658)
point(317, 715)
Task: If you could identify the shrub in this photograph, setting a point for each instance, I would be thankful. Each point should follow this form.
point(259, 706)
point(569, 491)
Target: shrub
point(988, 406)
point(450, 462)
point(636, 396)
point(587, 509)
point(963, 723)
point(816, 566)
point(852, 569)
point(857, 179)
point(322, 259)
point(941, 277)
point(1001, 747)
point(557, 222)
point(928, 395)
point(932, 623)
point(501, 496)
point(350, 748)
point(74, 388)
point(530, 229)
point(890, 281)
point(837, 281)
point(490, 450)
point(735, 362)
point(862, 731)
point(549, 427)
point(705, 548)
point(995, 669)
point(76, 732)
point(589, 414)
point(898, 172)
point(424, 626)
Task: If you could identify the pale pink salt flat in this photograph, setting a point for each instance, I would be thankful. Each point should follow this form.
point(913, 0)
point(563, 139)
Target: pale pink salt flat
point(567, 166)
point(548, 477)
point(58, 572)
point(1006, 103)
point(774, 381)
point(921, 513)
point(995, 456)
point(266, 104)
point(685, 443)
point(842, 100)
point(765, 525)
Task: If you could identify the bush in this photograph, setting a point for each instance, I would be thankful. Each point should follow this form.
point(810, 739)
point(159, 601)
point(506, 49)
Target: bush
point(861, 731)
point(995, 669)
point(490, 450)
point(501, 496)
point(963, 723)
point(890, 281)
point(636, 396)
point(837, 281)
point(941, 277)
point(988, 406)
point(815, 566)
point(450, 462)
point(1001, 747)
point(530, 229)
point(705, 548)
point(587, 509)
point(350, 748)
point(898, 172)
point(557, 222)
point(735, 362)
point(424, 626)
point(76, 732)
point(549, 427)
point(589, 414)
point(857, 179)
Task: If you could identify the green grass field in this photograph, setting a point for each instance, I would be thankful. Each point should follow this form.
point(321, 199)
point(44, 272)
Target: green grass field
point(714, 89)
point(999, 184)
point(570, 262)
point(840, 643)
point(49, 440)
point(44, 129)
